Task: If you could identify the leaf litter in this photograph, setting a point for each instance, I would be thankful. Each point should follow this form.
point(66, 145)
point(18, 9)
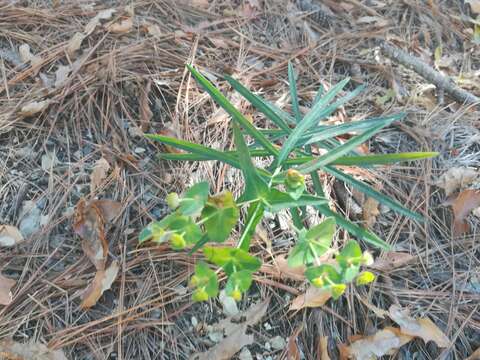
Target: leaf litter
point(236, 336)
point(13, 350)
point(10, 236)
point(6, 285)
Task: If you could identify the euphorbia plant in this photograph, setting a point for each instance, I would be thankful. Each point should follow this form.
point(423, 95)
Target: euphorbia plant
point(199, 218)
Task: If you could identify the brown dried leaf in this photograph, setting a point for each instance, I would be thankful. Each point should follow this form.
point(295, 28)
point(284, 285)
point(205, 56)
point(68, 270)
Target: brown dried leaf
point(457, 178)
point(199, 3)
point(10, 235)
point(370, 211)
point(392, 260)
point(463, 204)
point(61, 75)
point(102, 15)
point(313, 297)
point(475, 355)
point(286, 271)
point(423, 328)
point(384, 342)
point(323, 348)
point(154, 30)
point(293, 353)
point(474, 5)
point(34, 107)
point(102, 281)
point(236, 334)
point(99, 173)
point(5, 290)
point(90, 219)
point(121, 27)
point(75, 43)
point(12, 350)
point(145, 113)
point(27, 57)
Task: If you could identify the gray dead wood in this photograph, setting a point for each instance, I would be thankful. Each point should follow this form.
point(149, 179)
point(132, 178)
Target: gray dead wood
point(426, 71)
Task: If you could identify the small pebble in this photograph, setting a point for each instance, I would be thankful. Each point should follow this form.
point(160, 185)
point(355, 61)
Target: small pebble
point(194, 321)
point(229, 305)
point(156, 313)
point(245, 354)
point(278, 343)
point(139, 150)
point(267, 346)
point(267, 326)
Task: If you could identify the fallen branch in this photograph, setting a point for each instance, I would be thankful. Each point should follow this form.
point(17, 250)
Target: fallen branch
point(440, 81)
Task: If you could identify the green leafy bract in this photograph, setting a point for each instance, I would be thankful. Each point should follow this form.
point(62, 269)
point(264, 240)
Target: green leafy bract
point(238, 283)
point(185, 226)
point(194, 199)
point(312, 244)
point(205, 281)
point(220, 215)
point(231, 259)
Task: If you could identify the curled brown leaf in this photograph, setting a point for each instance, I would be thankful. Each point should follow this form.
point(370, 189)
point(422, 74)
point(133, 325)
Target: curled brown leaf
point(102, 281)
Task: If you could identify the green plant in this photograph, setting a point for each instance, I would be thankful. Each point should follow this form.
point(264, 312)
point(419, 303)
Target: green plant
point(199, 218)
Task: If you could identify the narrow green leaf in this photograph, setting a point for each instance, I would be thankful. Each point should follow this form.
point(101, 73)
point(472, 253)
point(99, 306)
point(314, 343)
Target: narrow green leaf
point(260, 104)
point(339, 151)
point(319, 94)
point(326, 132)
point(255, 186)
point(254, 216)
point(197, 149)
point(309, 120)
point(371, 192)
point(384, 159)
point(293, 93)
point(232, 111)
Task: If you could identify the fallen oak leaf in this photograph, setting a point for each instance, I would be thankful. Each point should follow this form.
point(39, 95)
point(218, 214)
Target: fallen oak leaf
point(6, 285)
point(384, 342)
point(12, 350)
point(99, 173)
point(10, 235)
point(102, 281)
point(34, 107)
point(462, 205)
point(313, 297)
point(89, 224)
point(423, 328)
